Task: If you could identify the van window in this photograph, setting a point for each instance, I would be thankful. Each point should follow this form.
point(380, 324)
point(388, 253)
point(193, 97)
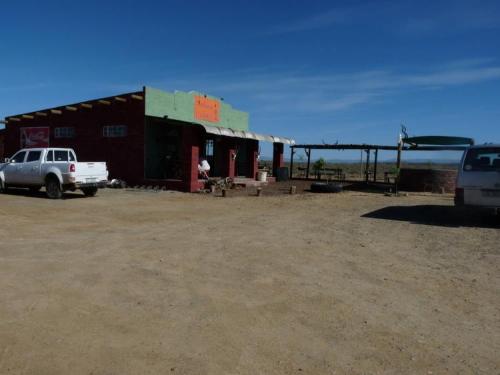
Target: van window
point(33, 156)
point(60, 155)
point(482, 159)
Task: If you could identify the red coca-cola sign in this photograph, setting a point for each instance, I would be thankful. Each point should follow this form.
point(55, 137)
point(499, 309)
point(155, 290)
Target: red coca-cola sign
point(35, 137)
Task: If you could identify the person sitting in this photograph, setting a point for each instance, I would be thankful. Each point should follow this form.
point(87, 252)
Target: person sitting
point(203, 168)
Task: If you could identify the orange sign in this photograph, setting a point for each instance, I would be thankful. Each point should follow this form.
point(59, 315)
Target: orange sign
point(206, 109)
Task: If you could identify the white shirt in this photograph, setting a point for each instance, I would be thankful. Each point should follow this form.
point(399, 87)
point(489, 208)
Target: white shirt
point(204, 166)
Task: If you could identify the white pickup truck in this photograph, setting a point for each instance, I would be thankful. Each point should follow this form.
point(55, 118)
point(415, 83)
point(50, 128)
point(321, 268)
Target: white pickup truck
point(55, 168)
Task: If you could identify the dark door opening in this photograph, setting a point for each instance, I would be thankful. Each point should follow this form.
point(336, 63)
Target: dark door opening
point(163, 141)
point(242, 160)
point(213, 151)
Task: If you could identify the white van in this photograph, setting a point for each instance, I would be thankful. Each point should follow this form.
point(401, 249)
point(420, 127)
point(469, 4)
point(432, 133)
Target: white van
point(478, 181)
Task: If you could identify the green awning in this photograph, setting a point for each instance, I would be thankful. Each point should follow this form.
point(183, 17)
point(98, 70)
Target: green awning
point(437, 140)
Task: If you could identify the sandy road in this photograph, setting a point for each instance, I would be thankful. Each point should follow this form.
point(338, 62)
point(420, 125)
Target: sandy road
point(156, 283)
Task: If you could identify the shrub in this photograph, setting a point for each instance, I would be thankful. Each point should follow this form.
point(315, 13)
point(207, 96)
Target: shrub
point(319, 165)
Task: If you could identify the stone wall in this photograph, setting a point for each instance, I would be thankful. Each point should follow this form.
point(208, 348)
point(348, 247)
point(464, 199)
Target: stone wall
point(428, 180)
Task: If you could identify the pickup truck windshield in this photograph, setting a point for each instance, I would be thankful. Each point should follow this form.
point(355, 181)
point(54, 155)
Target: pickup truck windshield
point(482, 159)
point(19, 157)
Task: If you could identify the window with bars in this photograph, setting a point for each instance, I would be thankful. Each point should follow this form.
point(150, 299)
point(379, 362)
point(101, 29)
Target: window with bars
point(64, 132)
point(114, 131)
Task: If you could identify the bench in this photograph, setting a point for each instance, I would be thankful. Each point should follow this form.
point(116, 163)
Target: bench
point(390, 178)
point(335, 173)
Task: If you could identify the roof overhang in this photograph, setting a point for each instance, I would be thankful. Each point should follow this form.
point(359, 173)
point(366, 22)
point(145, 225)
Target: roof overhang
point(226, 132)
point(433, 140)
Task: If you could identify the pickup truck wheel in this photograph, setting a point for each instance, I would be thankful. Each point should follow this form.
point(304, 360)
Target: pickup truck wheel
point(90, 192)
point(53, 188)
point(3, 187)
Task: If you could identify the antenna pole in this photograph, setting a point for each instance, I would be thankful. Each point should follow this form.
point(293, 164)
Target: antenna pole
point(398, 162)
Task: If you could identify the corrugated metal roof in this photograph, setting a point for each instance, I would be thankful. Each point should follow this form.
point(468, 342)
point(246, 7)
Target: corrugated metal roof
point(246, 135)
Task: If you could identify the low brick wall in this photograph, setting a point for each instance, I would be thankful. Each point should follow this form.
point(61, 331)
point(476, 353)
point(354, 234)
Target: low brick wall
point(428, 180)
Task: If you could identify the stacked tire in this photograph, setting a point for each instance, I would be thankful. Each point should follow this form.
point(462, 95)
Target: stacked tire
point(325, 187)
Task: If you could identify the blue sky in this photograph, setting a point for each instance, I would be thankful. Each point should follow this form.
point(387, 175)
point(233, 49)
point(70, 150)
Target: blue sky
point(317, 71)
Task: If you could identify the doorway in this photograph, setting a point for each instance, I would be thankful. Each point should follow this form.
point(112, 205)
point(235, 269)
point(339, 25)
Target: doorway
point(163, 146)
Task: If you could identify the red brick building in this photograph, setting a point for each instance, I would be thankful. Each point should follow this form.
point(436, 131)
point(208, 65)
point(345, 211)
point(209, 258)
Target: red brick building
point(149, 137)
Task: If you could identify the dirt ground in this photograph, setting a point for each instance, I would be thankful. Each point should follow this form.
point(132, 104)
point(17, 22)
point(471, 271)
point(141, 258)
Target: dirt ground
point(138, 282)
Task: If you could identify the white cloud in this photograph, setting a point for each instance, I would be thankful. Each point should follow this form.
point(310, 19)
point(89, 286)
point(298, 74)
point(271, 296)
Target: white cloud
point(456, 16)
point(407, 17)
point(317, 21)
point(318, 104)
point(326, 93)
point(308, 93)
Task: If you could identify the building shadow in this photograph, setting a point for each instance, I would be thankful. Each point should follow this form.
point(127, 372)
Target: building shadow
point(41, 194)
point(437, 215)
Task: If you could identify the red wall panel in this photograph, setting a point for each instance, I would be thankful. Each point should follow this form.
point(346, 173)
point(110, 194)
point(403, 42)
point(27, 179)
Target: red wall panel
point(2, 154)
point(124, 155)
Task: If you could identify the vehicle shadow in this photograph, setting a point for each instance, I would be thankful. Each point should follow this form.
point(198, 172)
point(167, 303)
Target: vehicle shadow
point(437, 215)
point(41, 194)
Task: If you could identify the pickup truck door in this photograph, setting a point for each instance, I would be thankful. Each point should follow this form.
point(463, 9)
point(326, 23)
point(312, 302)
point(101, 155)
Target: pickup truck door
point(30, 173)
point(14, 168)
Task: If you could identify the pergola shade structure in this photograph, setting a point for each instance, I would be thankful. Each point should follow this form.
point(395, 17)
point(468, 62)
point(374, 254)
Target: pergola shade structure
point(421, 143)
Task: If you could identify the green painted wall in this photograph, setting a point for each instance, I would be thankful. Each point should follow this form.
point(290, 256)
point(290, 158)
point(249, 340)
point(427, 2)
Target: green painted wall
point(180, 106)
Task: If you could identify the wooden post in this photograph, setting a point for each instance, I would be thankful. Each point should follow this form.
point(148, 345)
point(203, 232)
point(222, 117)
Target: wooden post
point(361, 164)
point(375, 166)
point(292, 153)
point(308, 152)
point(398, 164)
point(367, 174)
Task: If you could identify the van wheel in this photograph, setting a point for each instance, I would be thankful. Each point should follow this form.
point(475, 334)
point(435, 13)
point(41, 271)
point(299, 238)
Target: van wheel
point(53, 188)
point(90, 192)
